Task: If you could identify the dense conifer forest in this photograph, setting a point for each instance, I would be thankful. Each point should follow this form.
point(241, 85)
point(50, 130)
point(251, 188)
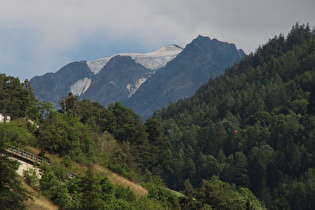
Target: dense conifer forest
point(253, 127)
point(245, 140)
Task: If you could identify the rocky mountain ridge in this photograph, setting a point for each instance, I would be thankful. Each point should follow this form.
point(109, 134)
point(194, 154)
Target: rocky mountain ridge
point(143, 82)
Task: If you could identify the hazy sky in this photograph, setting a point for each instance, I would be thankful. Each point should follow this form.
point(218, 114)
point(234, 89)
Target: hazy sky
point(40, 36)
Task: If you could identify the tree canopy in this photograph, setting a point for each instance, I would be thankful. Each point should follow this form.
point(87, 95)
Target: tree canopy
point(254, 126)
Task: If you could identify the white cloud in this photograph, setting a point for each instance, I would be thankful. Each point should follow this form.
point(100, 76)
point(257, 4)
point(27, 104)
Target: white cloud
point(38, 36)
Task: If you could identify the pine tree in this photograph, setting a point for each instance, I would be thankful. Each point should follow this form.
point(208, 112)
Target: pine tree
point(12, 193)
point(91, 191)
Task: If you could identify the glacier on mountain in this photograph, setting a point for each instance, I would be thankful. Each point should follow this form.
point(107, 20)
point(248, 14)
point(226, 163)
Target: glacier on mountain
point(152, 60)
point(80, 86)
point(96, 66)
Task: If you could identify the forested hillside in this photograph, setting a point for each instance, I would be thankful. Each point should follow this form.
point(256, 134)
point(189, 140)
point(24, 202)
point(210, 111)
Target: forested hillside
point(248, 134)
point(89, 140)
point(253, 127)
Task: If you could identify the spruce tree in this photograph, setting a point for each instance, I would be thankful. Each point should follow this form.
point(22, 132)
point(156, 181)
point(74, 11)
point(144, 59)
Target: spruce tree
point(12, 193)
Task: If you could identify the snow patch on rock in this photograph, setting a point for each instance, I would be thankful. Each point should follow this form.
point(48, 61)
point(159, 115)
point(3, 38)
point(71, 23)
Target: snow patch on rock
point(81, 86)
point(132, 88)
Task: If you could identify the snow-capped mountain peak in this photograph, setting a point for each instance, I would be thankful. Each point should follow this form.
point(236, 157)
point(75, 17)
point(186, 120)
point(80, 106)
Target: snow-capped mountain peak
point(152, 60)
point(131, 78)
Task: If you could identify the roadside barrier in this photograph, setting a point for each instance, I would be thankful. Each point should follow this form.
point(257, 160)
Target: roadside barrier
point(32, 157)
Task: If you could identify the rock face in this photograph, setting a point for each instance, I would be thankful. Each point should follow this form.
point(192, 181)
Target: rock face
point(117, 80)
point(200, 60)
point(106, 80)
point(142, 82)
point(52, 87)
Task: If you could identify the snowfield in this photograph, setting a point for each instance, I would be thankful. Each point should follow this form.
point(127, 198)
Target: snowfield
point(152, 60)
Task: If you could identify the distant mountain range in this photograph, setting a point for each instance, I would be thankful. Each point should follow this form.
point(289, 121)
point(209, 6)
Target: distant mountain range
point(142, 82)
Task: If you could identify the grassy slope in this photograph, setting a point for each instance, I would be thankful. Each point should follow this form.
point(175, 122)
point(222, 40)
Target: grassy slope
point(104, 172)
point(43, 203)
point(116, 179)
point(38, 202)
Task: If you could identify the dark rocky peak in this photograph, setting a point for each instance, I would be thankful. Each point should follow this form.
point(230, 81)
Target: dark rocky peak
point(206, 44)
point(78, 68)
point(121, 63)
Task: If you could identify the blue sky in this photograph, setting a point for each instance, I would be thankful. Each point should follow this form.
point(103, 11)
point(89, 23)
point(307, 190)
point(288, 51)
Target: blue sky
point(40, 36)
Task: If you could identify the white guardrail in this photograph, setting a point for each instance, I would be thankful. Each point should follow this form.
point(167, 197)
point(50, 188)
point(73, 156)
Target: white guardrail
point(31, 157)
point(28, 155)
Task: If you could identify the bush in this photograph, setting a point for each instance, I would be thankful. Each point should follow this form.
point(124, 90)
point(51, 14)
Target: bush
point(32, 178)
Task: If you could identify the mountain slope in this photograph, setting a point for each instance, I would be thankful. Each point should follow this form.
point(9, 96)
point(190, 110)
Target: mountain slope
point(52, 87)
point(130, 70)
point(254, 127)
point(200, 60)
point(143, 82)
point(119, 79)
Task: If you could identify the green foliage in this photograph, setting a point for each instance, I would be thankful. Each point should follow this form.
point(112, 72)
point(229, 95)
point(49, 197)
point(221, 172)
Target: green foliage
point(16, 133)
point(39, 111)
point(220, 195)
point(251, 201)
point(124, 194)
point(91, 191)
point(12, 193)
point(15, 97)
point(48, 180)
point(165, 196)
point(64, 134)
point(159, 152)
point(189, 190)
point(128, 143)
point(64, 199)
point(253, 126)
point(31, 178)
